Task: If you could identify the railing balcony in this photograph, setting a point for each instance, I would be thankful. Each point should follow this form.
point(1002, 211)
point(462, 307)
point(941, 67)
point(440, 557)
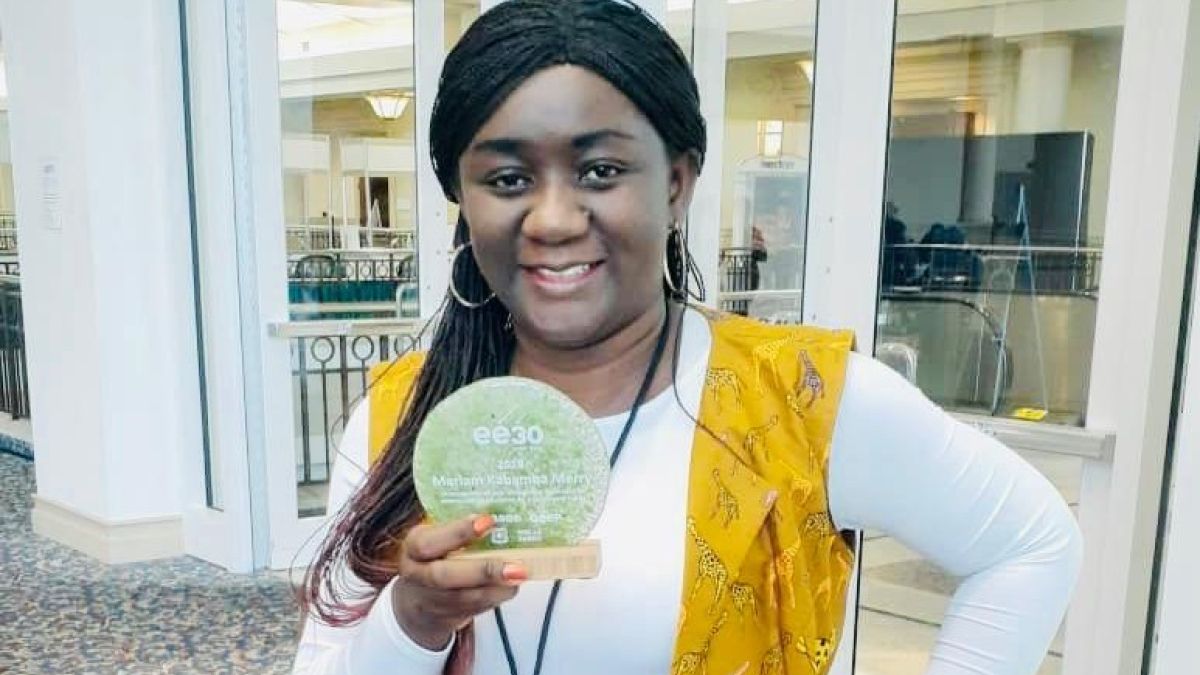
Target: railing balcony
point(330, 365)
point(8, 234)
point(365, 283)
point(14, 374)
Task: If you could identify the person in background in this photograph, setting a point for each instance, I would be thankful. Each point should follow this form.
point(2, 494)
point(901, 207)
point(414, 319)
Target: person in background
point(899, 263)
point(569, 133)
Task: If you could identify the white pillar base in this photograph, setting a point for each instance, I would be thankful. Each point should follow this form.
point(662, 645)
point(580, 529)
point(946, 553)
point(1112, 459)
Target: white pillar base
point(112, 542)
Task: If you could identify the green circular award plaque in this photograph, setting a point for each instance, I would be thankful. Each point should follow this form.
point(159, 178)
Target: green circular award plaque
point(519, 450)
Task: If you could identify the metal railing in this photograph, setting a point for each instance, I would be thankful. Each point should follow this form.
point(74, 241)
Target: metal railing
point(361, 284)
point(990, 268)
point(14, 374)
point(311, 238)
point(331, 361)
point(364, 265)
point(973, 368)
point(739, 274)
point(318, 237)
point(8, 233)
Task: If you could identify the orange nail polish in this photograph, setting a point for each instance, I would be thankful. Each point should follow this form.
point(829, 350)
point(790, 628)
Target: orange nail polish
point(514, 573)
point(483, 524)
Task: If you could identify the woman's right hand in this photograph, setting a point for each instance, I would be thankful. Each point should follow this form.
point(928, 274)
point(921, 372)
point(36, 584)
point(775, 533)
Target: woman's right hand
point(434, 596)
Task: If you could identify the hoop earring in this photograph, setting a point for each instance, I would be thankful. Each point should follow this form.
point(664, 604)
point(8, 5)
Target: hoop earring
point(454, 291)
point(675, 241)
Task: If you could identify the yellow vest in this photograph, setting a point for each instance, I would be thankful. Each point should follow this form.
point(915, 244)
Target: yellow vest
point(765, 572)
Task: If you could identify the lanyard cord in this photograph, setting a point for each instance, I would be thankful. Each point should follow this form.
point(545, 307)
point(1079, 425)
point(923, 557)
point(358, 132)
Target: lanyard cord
point(637, 404)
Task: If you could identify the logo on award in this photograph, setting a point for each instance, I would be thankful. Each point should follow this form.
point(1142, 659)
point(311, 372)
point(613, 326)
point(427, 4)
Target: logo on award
point(500, 536)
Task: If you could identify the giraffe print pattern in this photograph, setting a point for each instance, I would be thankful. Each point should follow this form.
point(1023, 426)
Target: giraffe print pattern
point(756, 439)
point(711, 567)
point(718, 380)
point(697, 661)
point(818, 525)
point(801, 491)
point(818, 652)
point(764, 356)
point(745, 600)
point(810, 383)
point(786, 564)
point(772, 662)
point(726, 504)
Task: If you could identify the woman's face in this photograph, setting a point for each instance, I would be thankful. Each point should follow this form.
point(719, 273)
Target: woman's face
point(569, 193)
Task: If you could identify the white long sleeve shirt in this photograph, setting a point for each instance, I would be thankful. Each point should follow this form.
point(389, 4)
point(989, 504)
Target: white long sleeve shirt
point(899, 464)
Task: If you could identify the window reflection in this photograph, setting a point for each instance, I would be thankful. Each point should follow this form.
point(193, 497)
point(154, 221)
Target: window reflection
point(349, 204)
point(346, 87)
point(768, 121)
point(997, 179)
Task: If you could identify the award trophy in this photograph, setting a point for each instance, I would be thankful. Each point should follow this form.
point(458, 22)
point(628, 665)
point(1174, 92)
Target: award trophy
point(524, 453)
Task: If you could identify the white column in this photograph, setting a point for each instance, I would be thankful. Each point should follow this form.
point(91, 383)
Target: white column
point(704, 219)
point(1155, 140)
point(101, 188)
point(1043, 83)
point(849, 149)
point(434, 236)
point(337, 186)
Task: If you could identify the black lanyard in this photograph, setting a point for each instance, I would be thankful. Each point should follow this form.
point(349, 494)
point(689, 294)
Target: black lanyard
point(659, 348)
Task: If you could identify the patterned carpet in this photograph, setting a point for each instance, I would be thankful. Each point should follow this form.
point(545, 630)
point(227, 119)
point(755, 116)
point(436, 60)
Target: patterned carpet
point(64, 613)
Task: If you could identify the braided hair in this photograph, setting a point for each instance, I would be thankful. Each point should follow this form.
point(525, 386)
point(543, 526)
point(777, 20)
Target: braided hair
point(507, 45)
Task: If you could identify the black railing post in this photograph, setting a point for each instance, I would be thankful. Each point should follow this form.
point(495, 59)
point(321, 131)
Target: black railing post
point(302, 367)
point(7, 390)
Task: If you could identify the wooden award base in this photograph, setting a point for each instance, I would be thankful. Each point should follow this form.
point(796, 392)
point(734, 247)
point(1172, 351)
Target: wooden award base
point(581, 561)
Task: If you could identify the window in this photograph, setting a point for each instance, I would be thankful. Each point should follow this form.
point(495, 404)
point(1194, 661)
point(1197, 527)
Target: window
point(1001, 136)
point(767, 128)
point(770, 138)
point(349, 193)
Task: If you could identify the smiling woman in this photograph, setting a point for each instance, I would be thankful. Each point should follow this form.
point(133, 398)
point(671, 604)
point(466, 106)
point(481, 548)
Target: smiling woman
point(569, 133)
point(571, 207)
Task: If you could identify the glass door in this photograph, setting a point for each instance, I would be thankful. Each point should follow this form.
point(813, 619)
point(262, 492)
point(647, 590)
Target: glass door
point(1175, 609)
point(217, 523)
point(761, 171)
point(351, 93)
point(969, 262)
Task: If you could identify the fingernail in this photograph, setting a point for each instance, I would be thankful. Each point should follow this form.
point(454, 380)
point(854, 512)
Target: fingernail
point(514, 573)
point(483, 524)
